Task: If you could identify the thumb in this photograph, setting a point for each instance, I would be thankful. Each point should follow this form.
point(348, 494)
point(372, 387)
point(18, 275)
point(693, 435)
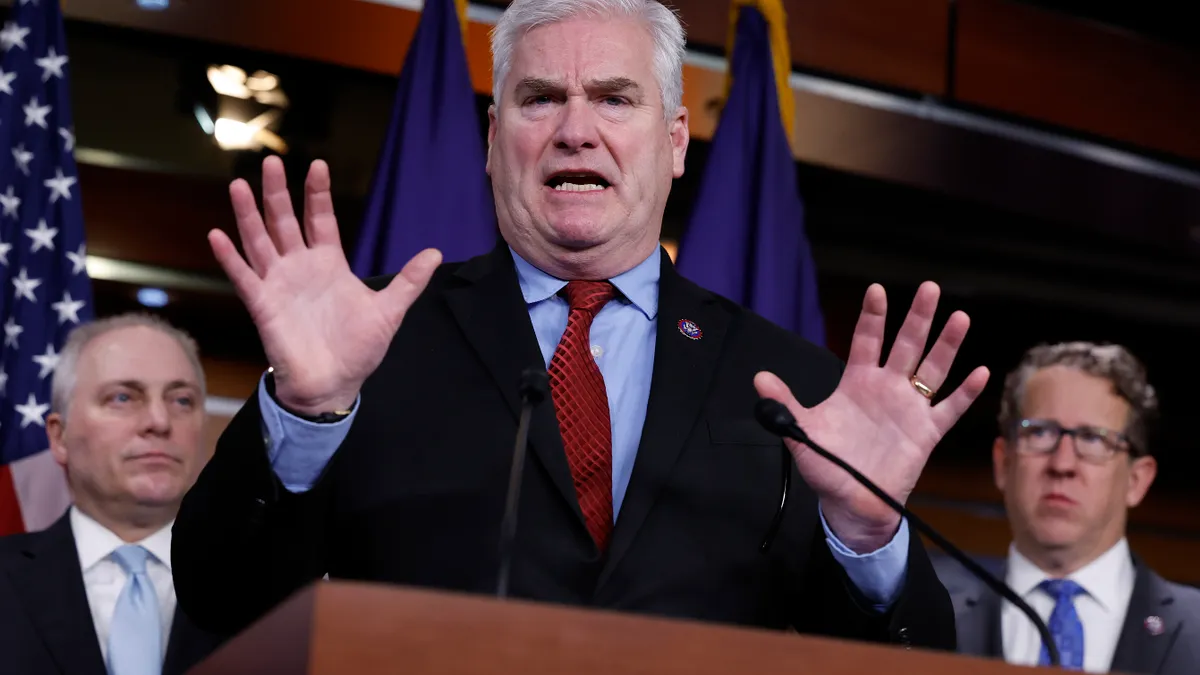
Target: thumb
point(769, 385)
point(404, 288)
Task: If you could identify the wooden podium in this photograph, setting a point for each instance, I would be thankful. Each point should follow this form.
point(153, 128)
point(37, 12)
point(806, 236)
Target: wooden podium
point(365, 629)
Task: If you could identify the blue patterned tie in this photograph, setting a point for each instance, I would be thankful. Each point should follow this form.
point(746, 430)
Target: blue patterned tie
point(1064, 623)
point(135, 641)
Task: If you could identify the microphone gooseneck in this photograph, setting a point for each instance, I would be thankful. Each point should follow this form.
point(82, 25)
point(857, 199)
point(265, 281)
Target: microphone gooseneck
point(533, 387)
point(776, 418)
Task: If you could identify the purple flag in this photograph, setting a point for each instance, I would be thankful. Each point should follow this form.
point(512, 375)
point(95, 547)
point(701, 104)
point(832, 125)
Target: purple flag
point(430, 188)
point(746, 238)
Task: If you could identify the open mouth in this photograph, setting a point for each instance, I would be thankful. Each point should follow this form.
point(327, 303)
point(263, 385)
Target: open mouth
point(577, 182)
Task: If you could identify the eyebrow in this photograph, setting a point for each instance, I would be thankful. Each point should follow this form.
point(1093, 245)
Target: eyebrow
point(141, 386)
point(608, 85)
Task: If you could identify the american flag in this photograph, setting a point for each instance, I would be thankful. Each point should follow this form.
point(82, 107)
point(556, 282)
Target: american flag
point(45, 287)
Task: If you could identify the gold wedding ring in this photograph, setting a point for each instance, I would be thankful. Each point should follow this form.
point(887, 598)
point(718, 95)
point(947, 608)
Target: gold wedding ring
point(922, 387)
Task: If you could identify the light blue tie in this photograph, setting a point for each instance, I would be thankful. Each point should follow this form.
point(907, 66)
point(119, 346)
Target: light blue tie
point(1064, 624)
point(135, 641)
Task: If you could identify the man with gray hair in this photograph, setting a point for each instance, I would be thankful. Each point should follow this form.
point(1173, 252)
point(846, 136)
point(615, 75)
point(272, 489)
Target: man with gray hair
point(379, 446)
point(1073, 456)
point(93, 592)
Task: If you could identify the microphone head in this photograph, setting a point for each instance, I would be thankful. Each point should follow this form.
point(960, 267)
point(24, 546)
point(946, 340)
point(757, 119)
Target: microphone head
point(774, 416)
point(535, 383)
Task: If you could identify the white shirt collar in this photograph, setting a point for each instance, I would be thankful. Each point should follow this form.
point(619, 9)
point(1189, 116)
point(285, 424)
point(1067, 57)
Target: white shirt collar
point(94, 542)
point(1098, 578)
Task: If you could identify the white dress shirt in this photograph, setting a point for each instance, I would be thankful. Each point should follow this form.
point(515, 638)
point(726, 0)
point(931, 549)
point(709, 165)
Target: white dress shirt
point(1107, 582)
point(103, 577)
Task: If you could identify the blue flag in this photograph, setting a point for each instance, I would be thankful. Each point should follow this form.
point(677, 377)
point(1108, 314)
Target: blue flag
point(430, 187)
point(46, 291)
point(746, 239)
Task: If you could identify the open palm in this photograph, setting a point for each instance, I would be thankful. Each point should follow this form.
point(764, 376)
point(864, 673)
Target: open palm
point(877, 420)
point(323, 330)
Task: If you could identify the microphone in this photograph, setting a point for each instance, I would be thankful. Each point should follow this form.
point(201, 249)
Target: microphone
point(776, 418)
point(535, 383)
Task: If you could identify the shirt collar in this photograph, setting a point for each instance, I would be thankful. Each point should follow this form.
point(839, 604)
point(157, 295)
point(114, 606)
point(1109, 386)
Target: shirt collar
point(94, 542)
point(639, 285)
point(1098, 578)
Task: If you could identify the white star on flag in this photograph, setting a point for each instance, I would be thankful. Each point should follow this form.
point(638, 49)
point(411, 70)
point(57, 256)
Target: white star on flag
point(22, 157)
point(48, 361)
point(11, 202)
point(51, 64)
point(78, 260)
point(68, 309)
point(13, 36)
point(60, 185)
point(11, 332)
point(36, 114)
point(6, 80)
point(43, 237)
point(4, 249)
point(25, 285)
point(32, 412)
point(68, 139)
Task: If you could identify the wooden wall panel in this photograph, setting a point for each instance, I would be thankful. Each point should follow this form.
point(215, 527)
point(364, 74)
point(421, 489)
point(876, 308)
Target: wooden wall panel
point(1079, 75)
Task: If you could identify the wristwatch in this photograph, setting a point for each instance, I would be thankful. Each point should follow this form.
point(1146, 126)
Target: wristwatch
point(321, 418)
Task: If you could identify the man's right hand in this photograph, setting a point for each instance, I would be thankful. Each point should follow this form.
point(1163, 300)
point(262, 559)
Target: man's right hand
point(323, 330)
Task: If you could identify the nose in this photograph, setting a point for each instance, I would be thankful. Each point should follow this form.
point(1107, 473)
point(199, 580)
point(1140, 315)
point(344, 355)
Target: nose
point(1063, 459)
point(577, 126)
point(156, 419)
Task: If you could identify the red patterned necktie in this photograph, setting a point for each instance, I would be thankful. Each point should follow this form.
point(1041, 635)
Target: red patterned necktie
point(581, 403)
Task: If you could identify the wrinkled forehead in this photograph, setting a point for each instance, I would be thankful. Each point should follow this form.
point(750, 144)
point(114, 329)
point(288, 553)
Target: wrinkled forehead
point(136, 354)
point(581, 51)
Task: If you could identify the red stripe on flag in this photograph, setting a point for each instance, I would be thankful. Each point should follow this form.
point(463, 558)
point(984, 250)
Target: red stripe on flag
point(10, 509)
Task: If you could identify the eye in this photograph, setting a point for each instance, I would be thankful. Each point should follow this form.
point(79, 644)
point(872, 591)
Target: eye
point(615, 100)
point(537, 100)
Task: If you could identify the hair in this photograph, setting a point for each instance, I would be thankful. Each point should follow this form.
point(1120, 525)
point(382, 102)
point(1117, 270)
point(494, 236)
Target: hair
point(664, 26)
point(1109, 361)
point(66, 373)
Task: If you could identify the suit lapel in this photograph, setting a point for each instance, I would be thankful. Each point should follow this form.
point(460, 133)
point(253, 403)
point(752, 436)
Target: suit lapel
point(49, 583)
point(487, 295)
point(1152, 606)
point(682, 373)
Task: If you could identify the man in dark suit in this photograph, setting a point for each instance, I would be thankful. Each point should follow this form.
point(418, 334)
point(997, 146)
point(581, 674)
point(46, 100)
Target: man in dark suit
point(379, 446)
point(1067, 501)
point(93, 593)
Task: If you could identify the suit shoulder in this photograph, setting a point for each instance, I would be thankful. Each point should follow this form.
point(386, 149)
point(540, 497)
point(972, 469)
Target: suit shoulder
point(443, 273)
point(1187, 598)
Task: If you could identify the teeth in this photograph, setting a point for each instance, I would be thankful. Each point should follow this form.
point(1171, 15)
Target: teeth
point(578, 187)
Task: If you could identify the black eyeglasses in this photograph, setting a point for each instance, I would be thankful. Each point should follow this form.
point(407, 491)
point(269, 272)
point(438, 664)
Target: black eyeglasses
point(1091, 443)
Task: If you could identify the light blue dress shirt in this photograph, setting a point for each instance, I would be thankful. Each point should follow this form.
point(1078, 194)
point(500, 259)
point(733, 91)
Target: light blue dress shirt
point(622, 337)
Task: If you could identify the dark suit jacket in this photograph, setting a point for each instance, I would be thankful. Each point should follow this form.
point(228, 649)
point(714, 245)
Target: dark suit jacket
point(416, 493)
point(1175, 650)
point(45, 622)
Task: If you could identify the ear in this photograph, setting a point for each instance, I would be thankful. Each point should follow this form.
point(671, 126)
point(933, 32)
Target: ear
point(1141, 475)
point(680, 135)
point(491, 137)
point(1000, 460)
point(54, 431)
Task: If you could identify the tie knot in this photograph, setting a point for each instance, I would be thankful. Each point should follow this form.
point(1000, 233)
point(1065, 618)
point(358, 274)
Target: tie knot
point(589, 296)
point(131, 558)
point(1061, 589)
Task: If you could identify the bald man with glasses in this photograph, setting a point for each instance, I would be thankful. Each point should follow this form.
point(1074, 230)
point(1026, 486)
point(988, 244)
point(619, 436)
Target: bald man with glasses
point(1071, 459)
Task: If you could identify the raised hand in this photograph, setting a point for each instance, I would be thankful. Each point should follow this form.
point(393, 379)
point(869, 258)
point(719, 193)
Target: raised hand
point(878, 419)
point(324, 331)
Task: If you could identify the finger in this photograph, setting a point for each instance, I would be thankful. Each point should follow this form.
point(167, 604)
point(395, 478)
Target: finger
point(768, 385)
point(914, 333)
point(947, 413)
point(277, 203)
point(936, 366)
point(244, 279)
point(260, 250)
point(320, 225)
point(867, 343)
point(404, 288)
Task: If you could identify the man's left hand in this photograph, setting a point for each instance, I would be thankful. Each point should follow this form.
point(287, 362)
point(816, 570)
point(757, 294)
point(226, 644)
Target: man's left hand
point(878, 420)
